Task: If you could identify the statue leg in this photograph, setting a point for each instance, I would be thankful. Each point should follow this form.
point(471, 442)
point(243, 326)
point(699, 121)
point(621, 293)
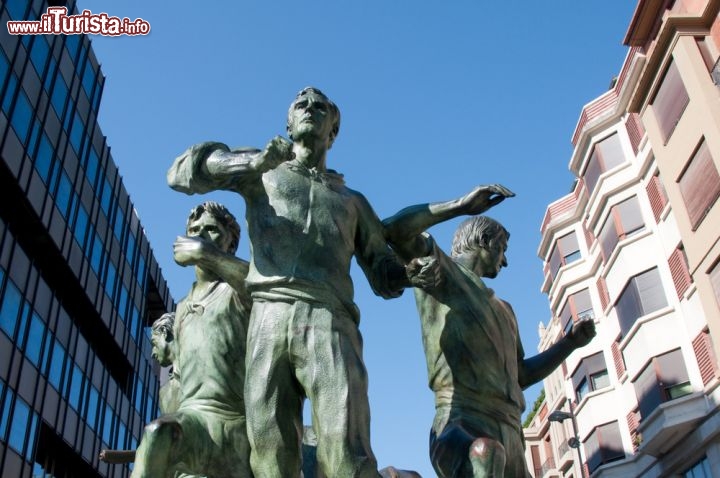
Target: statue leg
point(458, 452)
point(330, 368)
point(160, 441)
point(487, 457)
point(273, 398)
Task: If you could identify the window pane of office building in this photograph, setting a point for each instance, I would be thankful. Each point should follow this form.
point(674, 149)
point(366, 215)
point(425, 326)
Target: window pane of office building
point(65, 346)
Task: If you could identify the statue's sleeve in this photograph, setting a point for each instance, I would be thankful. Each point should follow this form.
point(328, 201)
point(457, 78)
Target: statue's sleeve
point(189, 172)
point(380, 265)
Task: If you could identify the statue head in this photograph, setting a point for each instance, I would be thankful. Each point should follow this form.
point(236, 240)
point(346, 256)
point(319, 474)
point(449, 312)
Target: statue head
point(213, 222)
point(482, 242)
point(162, 339)
point(313, 112)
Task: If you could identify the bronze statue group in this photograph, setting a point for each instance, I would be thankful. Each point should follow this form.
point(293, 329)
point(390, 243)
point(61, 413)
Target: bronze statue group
point(251, 341)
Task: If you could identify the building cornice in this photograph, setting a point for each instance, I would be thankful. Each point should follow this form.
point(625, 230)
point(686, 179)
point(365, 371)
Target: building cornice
point(674, 25)
point(607, 109)
point(643, 22)
point(560, 214)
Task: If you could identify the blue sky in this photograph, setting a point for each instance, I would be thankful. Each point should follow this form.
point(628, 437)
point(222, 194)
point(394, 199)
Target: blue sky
point(436, 97)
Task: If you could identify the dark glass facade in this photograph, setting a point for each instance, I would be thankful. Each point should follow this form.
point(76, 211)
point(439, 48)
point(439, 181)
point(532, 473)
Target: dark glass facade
point(78, 280)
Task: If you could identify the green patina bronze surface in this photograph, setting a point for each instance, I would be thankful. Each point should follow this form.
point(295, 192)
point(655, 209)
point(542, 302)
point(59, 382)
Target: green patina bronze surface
point(475, 361)
point(305, 226)
point(202, 429)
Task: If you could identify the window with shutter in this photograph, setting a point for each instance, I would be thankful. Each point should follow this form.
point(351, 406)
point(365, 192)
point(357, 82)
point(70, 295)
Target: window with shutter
point(606, 155)
point(705, 356)
point(635, 130)
point(618, 359)
point(700, 185)
point(670, 101)
point(565, 251)
point(657, 196)
point(577, 307)
point(590, 375)
point(625, 219)
point(603, 291)
point(642, 295)
point(679, 270)
point(603, 445)
point(664, 378)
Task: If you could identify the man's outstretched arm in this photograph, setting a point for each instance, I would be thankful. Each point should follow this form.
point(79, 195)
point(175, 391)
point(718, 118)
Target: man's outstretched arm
point(194, 251)
point(536, 368)
point(213, 166)
point(403, 229)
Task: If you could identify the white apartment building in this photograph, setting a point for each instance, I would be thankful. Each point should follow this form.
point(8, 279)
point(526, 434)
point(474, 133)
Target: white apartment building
point(635, 247)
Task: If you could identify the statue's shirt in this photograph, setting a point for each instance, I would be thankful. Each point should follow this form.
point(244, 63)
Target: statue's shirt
point(471, 344)
point(211, 334)
point(304, 227)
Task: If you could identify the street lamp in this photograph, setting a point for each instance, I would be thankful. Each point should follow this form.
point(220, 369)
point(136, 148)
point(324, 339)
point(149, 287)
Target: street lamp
point(574, 442)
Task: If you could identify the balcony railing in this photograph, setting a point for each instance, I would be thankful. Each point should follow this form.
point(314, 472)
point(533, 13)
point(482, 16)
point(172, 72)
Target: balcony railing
point(563, 448)
point(547, 466)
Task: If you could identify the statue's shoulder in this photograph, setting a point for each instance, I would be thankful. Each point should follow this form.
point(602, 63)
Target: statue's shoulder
point(355, 194)
point(507, 306)
point(356, 197)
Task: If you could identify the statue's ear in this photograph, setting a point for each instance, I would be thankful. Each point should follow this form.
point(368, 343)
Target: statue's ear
point(169, 337)
point(484, 240)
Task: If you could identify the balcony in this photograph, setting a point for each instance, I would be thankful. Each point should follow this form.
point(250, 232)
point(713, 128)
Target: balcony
point(547, 467)
point(566, 456)
point(670, 422)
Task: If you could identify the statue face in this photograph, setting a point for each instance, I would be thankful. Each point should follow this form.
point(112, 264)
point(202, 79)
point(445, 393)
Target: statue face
point(209, 228)
point(161, 347)
point(491, 259)
point(310, 116)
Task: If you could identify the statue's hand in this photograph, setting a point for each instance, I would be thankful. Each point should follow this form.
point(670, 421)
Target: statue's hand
point(582, 332)
point(189, 251)
point(483, 198)
point(277, 151)
point(423, 272)
point(196, 150)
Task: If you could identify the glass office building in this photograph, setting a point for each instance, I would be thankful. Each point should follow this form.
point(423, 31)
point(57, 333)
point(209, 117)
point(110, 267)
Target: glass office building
point(78, 280)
